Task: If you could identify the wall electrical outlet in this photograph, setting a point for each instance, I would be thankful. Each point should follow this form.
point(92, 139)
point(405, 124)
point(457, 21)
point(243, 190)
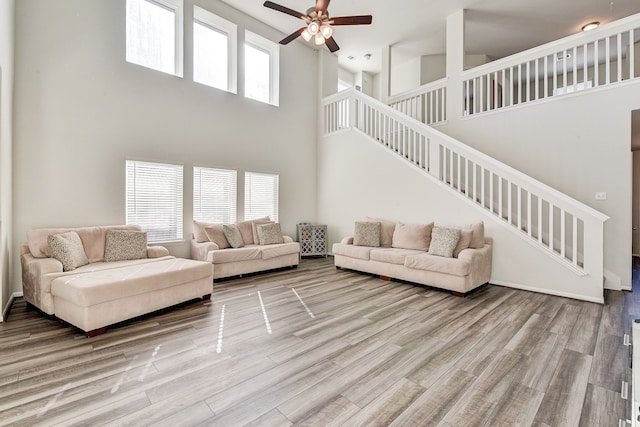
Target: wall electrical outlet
point(601, 195)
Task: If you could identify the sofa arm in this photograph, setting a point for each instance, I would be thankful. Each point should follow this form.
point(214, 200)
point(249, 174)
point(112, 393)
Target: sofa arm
point(347, 240)
point(480, 260)
point(199, 251)
point(33, 271)
point(287, 239)
point(157, 251)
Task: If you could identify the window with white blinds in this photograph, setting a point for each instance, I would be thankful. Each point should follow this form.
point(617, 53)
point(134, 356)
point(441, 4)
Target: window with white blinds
point(214, 195)
point(260, 195)
point(154, 199)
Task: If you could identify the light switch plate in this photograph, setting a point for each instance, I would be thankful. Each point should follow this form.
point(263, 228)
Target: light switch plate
point(601, 195)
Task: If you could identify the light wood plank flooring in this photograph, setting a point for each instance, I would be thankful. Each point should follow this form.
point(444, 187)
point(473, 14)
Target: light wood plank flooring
point(320, 346)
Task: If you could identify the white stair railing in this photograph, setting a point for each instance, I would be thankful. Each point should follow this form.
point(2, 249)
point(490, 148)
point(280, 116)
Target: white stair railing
point(569, 231)
point(585, 61)
point(426, 104)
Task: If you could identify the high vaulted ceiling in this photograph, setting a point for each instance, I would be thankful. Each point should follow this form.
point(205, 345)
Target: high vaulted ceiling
point(496, 28)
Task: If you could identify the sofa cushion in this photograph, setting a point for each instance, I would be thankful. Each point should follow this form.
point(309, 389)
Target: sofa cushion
point(67, 248)
point(199, 233)
point(215, 234)
point(269, 234)
point(463, 242)
point(233, 235)
point(232, 255)
point(386, 231)
point(91, 288)
point(352, 251)
point(125, 245)
point(367, 233)
point(274, 251)
point(477, 237)
point(444, 241)
point(453, 266)
point(246, 229)
point(412, 236)
point(254, 228)
point(392, 255)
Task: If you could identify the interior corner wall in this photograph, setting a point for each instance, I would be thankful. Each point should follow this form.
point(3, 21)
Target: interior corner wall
point(7, 253)
point(579, 144)
point(81, 110)
point(405, 76)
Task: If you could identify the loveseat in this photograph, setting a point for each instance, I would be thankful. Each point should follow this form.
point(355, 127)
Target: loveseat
point(256, 245)
point(93, 277)
point(456, 258)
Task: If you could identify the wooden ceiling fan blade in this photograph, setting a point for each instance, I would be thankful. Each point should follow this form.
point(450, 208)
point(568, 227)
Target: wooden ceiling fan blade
point(291, 37)
point(332, 45)
point(283, 9)
point(352, 20)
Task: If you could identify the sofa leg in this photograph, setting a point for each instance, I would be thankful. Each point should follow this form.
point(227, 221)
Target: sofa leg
point(206, 297)
point(458, 294)
point(387, 278)
point(95, 332)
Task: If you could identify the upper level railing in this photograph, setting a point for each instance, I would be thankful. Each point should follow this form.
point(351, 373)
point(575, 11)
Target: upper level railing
point(426, 104)
point(566, 229)
point(605, 56)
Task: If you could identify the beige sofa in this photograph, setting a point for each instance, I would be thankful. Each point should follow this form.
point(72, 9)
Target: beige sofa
point(103, 292)
point(407, 257)
point(252, 257)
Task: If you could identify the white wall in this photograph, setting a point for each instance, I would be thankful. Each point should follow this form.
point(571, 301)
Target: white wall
point(579, 144)
point(405, 76)
point(81, 110)
point(359, 178)
point(6, 137)
point(432, 68)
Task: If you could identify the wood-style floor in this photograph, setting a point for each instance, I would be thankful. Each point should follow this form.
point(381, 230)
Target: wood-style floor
point(320, 346)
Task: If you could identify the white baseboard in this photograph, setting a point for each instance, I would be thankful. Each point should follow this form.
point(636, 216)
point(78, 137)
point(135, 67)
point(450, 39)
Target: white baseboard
point(547, 291)
point(5, 311)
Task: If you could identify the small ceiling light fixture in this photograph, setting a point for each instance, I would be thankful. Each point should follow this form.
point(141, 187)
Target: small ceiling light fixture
point(590, 26)
point(367, 56)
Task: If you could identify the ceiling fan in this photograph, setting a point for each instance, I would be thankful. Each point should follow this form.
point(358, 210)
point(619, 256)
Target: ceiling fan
point(319, 25)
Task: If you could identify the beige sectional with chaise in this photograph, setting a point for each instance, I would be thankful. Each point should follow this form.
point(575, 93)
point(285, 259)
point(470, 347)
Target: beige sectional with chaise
point(455, 258)
point(244, 247)
point(93, 277)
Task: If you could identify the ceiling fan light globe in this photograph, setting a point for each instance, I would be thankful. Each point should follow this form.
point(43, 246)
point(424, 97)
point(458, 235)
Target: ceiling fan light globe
point(306, 35)
point(326, 31)
point(319, 39)
point(313, 28)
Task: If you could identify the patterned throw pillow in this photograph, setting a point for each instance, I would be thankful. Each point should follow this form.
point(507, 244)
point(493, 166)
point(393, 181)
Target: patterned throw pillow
point(233, 235)
point(67, 248)
point(367, 233)
point(443, 241)
point(123, 245)
point(269, 234)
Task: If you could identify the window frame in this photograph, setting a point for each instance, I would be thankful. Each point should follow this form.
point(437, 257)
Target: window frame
point(273, 50)
point(248, 214)
point(216, 23)
point(178, 186)
point(197, 195)
point(177, 7)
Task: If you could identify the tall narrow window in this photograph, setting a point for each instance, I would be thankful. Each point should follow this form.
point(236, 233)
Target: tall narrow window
point(261, 69)
point(154, 199)
point(214, 50)
point(214, 195)
point(260, 195)
point(154, 34)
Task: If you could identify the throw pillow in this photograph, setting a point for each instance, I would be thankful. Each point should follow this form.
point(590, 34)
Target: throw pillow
point(215, 234)
point(443, 241)
point(199, 235)
point(269, 234)
point(67, 248)
point(232, 233)
point(254, 228)
point(463, 242)
point(412, 236)
point(367, 233)
point(123, 245)
point(477, 238)
point(386, 231)
point(246, 229)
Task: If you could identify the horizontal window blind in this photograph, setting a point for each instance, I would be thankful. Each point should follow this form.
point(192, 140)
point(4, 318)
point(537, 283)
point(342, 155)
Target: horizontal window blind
point(154, 199)
point(260, 195)
point(214, 195)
